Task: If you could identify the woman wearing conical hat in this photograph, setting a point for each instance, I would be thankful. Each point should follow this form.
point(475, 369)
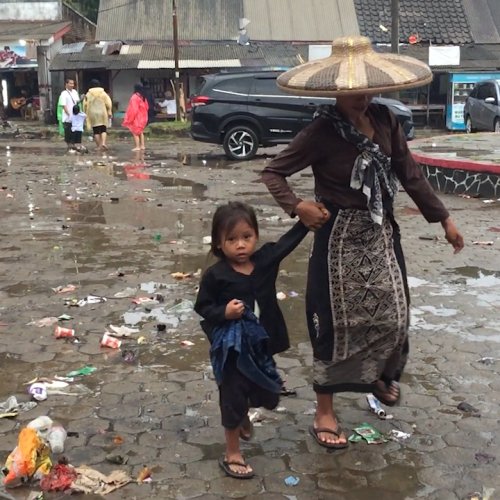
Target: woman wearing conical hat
point(357, 301)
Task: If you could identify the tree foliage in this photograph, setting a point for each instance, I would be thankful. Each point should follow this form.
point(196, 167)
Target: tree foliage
point(89, 8)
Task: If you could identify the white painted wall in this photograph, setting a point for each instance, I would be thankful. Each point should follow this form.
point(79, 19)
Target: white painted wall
point(124, 81)
point(31, 10)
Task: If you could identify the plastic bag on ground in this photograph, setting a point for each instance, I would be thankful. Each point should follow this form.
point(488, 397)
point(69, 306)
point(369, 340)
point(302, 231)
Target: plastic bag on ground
point(29, 460)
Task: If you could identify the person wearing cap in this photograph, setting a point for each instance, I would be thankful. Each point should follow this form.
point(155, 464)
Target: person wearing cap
point(99, 109)
point(357, 299)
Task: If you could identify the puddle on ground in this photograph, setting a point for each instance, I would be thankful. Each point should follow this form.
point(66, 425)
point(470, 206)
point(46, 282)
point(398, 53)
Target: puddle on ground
point(192, 160)
point(450, 314)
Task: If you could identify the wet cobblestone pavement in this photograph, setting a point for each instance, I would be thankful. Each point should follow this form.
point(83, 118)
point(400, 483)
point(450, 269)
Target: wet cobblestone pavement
point(119, 226)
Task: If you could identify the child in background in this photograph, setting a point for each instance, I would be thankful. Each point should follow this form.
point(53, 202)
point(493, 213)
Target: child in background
point(243, 322)
point(77, 122)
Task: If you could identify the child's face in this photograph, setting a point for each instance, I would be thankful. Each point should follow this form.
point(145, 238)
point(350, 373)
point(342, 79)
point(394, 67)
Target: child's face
point(238, 245)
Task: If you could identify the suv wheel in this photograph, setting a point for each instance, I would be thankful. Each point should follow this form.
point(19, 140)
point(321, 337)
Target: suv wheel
point(468, 125)
point(240, 143)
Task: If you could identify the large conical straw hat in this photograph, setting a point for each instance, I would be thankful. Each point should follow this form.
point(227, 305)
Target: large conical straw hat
point(355, 68)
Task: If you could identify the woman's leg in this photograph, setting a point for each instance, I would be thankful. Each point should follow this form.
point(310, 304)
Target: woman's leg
point(142, 145)
point(326, 419)
point(97, 140)
point(104, 136)
point(137, 144)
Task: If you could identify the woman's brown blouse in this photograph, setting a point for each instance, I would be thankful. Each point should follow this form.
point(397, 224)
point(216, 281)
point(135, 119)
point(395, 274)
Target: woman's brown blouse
point(332, 159)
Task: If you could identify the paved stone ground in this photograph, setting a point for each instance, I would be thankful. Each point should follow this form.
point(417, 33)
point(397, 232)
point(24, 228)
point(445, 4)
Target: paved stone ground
point(161, 410)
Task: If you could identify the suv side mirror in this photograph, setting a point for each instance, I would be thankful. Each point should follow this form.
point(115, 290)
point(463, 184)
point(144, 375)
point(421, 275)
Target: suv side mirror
point(490, 100)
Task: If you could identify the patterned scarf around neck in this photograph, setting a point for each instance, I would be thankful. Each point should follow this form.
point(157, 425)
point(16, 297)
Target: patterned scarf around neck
point(372, 169)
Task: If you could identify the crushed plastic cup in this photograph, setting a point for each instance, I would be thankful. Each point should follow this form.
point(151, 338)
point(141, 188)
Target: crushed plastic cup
point(109, 341)
point(38, 391)
point(61, 332)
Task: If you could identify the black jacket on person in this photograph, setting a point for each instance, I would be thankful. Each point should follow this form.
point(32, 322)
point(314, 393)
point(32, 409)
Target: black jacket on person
point(221, 283)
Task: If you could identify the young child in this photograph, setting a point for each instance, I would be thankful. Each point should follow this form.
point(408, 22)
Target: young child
point(77, 122)
point(233, 293)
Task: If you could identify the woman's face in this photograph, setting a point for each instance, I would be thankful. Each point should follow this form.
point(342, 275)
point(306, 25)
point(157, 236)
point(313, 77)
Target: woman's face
point(357, 103)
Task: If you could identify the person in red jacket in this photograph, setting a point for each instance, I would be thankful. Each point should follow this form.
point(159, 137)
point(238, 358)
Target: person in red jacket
point(136, 117)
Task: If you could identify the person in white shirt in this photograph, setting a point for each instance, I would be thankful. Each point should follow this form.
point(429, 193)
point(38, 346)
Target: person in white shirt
point(68, 98)
point(168, 106)
point(77, 122)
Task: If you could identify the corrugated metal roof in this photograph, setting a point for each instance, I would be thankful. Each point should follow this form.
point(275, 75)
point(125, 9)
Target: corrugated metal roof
point(70, 48)
point(151, 20)
point(190, 64)
point(484, 20)
point(297, 20)
point(14, 30)
point(214, 20)
point(161, 56)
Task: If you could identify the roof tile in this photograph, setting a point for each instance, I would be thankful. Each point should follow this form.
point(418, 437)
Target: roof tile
point(434, 21)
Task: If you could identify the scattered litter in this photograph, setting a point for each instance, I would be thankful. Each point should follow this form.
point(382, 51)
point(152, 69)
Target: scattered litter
point(467, 408)
point(48, 321)
point(281, 296)
point(11, 408)
point(110, 341)
point(180, 276)
point(428, 237)
point(144, 300)
point(488, 201)
point(484, 458)
point(122, 331)
point(128, 292)
point(64, 317)
point(183, 307)
point(255, 416)
point(30, 459)
point(63, 333)
point(161, 327)
point(483, 243)
point(398, 436)
point(86, 370)
point(91, 299)
point(292, 480)
point(64, 289)
point(38, 391)
point(187, 343)
point(293, 294)
point(92, 481)
point(207, 240)
point(487, 360)
point(494, 229)
point(118, 440)
point(368, 433)
point(141, 340)
point(280, 409)
point(144, 474)
point(60, 478)
point(375, 407)
point(129, 356)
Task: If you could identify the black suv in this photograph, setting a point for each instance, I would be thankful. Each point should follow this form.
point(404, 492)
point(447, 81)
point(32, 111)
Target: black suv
point(243, 111)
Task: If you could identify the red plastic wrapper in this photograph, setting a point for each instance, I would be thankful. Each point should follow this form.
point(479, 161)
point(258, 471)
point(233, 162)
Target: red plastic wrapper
point(60, 478)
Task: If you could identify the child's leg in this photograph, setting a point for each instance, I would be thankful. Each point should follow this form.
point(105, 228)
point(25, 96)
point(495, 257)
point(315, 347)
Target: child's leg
point(233, 399)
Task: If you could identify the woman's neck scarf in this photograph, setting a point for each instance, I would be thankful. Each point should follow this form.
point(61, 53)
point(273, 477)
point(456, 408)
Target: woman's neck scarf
point(372, 169)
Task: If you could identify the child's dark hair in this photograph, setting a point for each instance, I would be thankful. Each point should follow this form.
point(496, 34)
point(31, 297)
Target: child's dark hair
point(76, 109)
point(225, 219)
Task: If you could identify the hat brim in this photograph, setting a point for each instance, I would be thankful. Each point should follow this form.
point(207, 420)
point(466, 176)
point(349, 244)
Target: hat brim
point(335, 76)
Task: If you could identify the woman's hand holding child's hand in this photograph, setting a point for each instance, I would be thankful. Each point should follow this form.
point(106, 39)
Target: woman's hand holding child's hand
point(312, 214)
point(234, 309)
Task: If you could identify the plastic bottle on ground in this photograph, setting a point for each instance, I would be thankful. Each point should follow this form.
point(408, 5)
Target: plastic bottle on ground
point(57, 436)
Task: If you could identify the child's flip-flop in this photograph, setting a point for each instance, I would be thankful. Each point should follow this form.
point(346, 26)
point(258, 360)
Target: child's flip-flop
point(226, 467)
